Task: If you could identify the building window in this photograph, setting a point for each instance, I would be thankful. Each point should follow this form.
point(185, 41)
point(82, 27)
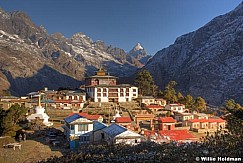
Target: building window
point(84, 138)
point(71, 127)
point(102, 136)
point(83, 127)
point(134, 90)
point(98, 89)
point(98, 94)
point(104, 94)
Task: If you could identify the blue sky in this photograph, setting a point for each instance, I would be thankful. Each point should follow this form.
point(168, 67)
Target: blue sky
point(122, 23)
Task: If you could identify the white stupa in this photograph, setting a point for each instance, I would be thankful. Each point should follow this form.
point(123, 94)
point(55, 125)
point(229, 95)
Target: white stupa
point(40, 113)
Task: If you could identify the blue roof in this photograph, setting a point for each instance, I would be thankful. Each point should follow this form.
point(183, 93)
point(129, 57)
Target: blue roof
point(72, 118)
point(98, 125)
point(114, 129)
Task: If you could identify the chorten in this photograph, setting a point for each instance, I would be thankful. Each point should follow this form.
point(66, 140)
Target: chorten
point(40, 113)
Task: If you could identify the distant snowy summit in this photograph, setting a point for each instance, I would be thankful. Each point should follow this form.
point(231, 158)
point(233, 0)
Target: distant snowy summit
point(139, 53)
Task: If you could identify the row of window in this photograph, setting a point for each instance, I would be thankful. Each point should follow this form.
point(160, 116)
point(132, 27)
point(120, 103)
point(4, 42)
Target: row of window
point(81, 127)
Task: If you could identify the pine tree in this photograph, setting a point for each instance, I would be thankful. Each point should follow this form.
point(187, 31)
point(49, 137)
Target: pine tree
point(200, 104)
point(170, 92)
point(181, 98)
point(145, 83)
point(189, 102)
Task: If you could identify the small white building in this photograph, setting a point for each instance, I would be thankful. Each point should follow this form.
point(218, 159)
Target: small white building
point(181, 117)
point(115, 134)
point(175, 107)
point(146, 100)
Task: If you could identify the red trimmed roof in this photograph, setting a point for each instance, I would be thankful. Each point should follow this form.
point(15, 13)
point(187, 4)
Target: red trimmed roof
point(154, 106)
point(167, 120)
point(218, 120)
point(86, 115)
point(177, 134)
point(81, 114)
point(93, 117)
point(123, 120)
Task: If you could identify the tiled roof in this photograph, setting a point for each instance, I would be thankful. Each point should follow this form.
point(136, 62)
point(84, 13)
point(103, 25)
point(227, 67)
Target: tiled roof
point(167, 120)
point(123, 120)
point(218, 120)
point(177, 134)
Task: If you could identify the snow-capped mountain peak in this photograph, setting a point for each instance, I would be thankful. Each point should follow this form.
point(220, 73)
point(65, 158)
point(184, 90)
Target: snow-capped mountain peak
point(138, 47)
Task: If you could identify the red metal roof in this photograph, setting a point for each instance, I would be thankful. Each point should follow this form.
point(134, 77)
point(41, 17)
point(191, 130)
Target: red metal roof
point(86, 115)
point(154, 106)
point(93, 117)
point(123, 120)
point(167, 120)
point(177, 134)
point(81, 114)
point(218, 120)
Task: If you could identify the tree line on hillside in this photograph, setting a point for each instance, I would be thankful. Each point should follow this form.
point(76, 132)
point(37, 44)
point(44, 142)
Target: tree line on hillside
point(147, 87)
point(224, 143)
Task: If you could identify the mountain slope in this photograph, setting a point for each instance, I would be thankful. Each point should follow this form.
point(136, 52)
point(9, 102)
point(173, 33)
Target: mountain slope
point(207, 62)
point(31, 59)
point(139, 53)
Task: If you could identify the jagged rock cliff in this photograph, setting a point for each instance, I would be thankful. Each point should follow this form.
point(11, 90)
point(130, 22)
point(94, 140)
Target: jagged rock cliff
point(207, 62)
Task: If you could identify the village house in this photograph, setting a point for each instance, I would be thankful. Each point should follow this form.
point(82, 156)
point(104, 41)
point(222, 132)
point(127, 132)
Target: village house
point(175, 107)
point(200, 116)
point(115, 134)
point(166, 123)
point(206, 125)
point(92, 117)
point(7, 101)
point(181, 117)
point(124, 121)
point(76, 128)
point(97, 136)
point(103, 88)
point(146, 100)
point(160, 101)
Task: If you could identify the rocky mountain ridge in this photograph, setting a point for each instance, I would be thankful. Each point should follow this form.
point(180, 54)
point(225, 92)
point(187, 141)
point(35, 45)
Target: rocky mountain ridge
point(30, 56)
point(207, 62)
